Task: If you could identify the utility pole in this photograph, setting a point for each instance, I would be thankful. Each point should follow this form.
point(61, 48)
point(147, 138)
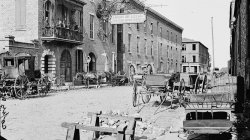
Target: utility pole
point(212, 42)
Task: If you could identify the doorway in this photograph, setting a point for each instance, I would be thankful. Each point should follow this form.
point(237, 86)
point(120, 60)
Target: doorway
point(65, 66)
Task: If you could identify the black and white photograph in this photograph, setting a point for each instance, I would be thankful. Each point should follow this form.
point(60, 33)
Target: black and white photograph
point(124, 70)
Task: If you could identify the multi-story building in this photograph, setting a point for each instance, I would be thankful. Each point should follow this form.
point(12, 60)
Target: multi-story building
point(156, 43)
point(62, 34)
point(195, 57)
point(55, 27)
point(239, 47)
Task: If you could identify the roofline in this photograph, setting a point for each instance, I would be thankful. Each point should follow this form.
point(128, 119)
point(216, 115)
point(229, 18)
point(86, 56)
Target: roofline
point(143, 6)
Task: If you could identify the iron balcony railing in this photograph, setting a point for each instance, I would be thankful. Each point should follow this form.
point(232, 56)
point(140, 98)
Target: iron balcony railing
point(62, 33)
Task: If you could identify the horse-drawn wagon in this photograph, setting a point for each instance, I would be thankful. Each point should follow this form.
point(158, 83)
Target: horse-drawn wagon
point(20, 79)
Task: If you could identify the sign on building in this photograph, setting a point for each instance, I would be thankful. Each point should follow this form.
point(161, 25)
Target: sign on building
point(128, 18)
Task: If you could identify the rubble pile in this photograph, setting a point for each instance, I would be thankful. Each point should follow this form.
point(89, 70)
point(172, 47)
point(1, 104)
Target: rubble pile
point(144, 128)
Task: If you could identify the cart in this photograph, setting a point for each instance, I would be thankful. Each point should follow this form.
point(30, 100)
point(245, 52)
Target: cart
point(151, 85)
point(192, 83)
point(208, 113)
point(19, 78)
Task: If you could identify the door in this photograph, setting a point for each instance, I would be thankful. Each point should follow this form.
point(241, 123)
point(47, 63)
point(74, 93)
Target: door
point(65, 66)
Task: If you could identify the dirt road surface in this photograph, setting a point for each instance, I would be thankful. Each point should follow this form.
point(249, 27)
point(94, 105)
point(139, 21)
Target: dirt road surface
point(40, 118)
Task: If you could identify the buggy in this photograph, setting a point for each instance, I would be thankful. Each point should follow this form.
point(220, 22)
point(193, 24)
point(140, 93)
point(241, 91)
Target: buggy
point(20, 79)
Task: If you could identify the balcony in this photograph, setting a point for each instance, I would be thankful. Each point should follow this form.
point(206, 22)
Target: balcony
point(62, 34)
point(63, 21)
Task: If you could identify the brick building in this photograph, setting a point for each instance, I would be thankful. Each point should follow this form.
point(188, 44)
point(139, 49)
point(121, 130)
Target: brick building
point(195, 57)
point(239, 47)
point(156, 43)
point(60, 33)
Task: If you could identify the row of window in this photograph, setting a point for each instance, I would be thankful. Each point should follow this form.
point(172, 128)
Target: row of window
point(169, 35)
point(184, 47)
point(160, 47)
point(184, 59)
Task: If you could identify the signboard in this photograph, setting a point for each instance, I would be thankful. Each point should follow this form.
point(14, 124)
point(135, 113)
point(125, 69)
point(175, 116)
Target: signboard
point(128, 18)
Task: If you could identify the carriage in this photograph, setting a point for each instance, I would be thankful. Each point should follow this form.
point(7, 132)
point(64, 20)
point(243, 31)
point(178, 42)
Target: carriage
point(20, 79)
point(167, 87)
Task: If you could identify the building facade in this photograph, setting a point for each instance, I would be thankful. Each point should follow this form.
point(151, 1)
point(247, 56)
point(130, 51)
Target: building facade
point(195, 57)
point(239, 47)
point(68, 36)
point(155, 44)
point(62, 34)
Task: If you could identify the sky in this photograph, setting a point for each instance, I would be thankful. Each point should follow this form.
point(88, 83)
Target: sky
point(195, 17)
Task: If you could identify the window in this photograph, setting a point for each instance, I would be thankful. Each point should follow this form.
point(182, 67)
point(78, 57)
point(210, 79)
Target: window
point(175, 38)
point(194, 47)
point(151, 28)
point(129, 42)
point(195, 69)
point(137, 45)
point(167, 34)
point(145, 27)
point(79, 61)
point(91, 27)
point(122, 10)
point(171, 36)
point(194, 58)
point(183, 59)
point(137, 26)
point(47, 14)
point(78, 20)
point(161, 49)
point(183, 47)
point(171, 52)
point(9, 62)
point(151, 49)
point(184, 68)
point(167, 50)
point(112, 33)
point(20, 14)
point(160, 32)
point(145, 47)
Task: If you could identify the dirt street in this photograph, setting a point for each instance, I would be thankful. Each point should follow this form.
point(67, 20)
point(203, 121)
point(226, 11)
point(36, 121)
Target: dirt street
point(40, 118)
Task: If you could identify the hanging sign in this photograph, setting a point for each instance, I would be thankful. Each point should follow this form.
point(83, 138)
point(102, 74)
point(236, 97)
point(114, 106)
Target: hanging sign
point(128, 18)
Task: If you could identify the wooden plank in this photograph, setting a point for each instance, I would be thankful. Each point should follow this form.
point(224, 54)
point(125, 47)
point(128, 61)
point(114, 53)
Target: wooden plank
point(93, 128)
point(73, 133)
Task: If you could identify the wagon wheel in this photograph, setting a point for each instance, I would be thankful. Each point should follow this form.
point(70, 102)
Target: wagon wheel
point(134, 94)
point(42, 86)
point(21, 86)
point(204, 84)
point(197, 84)
point(145, 97)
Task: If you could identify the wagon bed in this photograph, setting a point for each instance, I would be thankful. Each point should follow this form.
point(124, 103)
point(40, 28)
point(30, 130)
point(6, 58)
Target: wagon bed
point(208, 113)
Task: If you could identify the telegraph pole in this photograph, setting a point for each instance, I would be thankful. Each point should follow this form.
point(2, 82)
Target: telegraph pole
point(212, 42)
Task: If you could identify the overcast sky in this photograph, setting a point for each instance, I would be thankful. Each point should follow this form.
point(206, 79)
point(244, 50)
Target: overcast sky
point(195, 17)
